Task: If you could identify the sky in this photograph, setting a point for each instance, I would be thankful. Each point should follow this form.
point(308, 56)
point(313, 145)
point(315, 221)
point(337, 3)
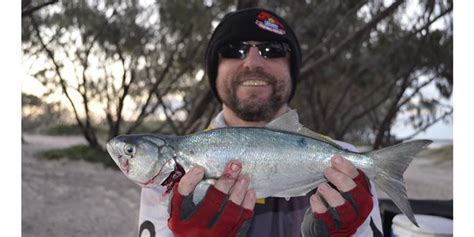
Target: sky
point(439, 131)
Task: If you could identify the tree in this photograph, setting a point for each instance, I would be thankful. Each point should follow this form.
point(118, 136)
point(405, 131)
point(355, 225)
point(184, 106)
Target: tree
point(118, 63)
point(37, 113)
point(27, 8)
point(363, 64)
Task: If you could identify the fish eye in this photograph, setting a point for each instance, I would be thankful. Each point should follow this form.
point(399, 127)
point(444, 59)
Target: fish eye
point(129, 150)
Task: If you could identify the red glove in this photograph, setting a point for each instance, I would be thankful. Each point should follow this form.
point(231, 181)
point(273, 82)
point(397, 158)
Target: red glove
point(214, 216)
point(345, 219)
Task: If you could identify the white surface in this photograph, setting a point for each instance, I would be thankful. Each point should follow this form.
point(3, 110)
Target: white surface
point(429, 226)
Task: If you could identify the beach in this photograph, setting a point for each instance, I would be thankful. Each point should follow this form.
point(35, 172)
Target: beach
point(74, 198)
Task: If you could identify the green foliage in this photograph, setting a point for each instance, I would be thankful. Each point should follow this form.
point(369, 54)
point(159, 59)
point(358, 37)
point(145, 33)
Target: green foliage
point(80, 152)
point(38, 115)
point(62, 129)
point(30, 100)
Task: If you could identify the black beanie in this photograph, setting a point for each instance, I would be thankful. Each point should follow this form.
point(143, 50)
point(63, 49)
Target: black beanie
point(252, 24)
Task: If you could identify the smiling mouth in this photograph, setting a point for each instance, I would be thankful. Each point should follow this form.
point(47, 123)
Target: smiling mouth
point(254, 83)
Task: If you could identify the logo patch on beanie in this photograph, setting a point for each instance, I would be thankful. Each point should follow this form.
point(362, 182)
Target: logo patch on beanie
point(268, 22)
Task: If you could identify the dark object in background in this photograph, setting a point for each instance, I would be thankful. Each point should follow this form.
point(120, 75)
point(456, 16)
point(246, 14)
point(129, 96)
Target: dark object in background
point(388, 210)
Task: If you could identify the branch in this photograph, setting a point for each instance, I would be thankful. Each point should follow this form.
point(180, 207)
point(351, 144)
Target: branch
point(306, 70)
point(153, 89)
point(168, 119)
point(363, 98)
point(242, 4)
point(417, 89)
point(203, 120)
point(345, 92)
point(85, 61)
point(89, 137)
point(125, 91)
point(30, 11)
point(393, 109)
point(108, 106)
point(350, 108)
point(333, 32)
point(364, 112)
point(428, 24)
point(203, 101)
point(427, 126)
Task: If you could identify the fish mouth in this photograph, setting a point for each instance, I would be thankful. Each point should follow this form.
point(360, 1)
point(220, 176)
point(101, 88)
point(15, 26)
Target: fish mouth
point(119, 159)
point(124, 165)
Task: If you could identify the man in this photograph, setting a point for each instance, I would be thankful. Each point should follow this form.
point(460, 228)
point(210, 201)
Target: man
point(253, 61)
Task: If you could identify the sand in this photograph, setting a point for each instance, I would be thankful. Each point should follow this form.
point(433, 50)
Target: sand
point(427, 179)
point(76, 198)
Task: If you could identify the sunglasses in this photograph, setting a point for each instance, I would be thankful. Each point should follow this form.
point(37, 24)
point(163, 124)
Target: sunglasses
point(268, 49)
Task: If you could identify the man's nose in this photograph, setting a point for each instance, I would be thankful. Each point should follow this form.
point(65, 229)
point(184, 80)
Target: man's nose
point(253, 60)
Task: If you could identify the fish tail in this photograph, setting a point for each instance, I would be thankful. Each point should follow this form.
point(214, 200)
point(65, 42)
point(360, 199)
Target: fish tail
point(392, 162)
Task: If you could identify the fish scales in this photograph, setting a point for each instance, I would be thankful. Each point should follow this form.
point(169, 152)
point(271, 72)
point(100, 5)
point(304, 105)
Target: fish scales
point(263, 153)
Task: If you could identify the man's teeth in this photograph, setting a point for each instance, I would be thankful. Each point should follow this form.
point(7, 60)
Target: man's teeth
point(254, 83)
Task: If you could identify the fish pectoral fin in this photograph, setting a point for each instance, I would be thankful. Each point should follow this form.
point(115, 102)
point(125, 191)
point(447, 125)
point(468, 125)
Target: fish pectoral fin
point(300, 190)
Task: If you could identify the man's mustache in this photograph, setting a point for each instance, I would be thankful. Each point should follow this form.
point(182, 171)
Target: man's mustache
point(252, 75)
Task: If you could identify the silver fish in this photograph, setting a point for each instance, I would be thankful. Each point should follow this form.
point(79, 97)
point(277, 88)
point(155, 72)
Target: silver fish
point(279, 163)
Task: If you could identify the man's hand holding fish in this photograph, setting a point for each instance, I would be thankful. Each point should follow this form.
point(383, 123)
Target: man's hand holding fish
point(338, 208)
point(225, 210)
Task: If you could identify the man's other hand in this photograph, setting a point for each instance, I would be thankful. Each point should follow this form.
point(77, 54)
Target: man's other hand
point(214, 215)
point(340, 205)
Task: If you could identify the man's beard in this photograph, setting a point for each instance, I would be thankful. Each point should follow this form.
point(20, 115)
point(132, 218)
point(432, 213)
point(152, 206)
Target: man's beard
point(251, 109)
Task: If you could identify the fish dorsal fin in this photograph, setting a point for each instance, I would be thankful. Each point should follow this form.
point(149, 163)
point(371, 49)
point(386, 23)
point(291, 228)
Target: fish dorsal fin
point(290, 122)
point(286, 122)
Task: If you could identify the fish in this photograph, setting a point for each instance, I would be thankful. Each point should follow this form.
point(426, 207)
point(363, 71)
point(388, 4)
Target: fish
point(279, 163)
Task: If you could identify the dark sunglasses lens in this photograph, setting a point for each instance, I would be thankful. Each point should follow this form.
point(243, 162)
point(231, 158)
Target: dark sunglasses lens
point(233, 51)
point(273, 50)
